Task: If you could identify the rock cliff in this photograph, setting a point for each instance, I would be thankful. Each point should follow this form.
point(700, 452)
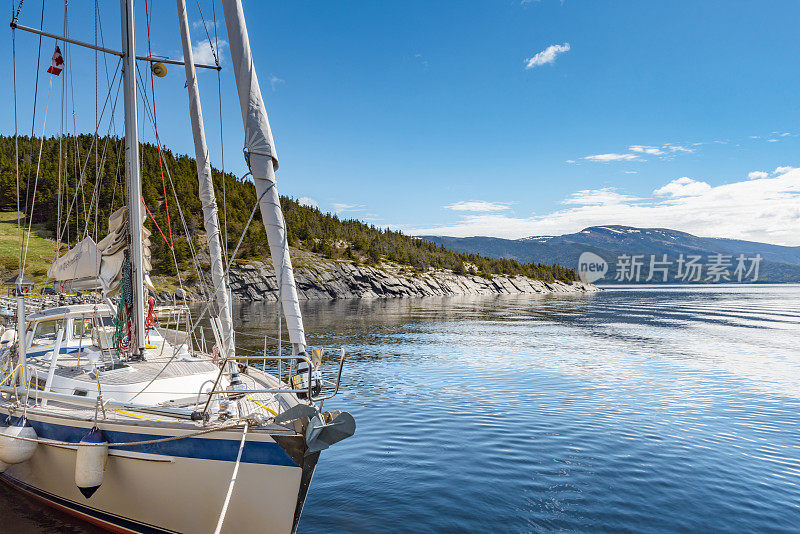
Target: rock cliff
point(328, 280)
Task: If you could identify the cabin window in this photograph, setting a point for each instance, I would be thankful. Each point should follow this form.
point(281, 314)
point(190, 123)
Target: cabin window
point(80, 392)
point(45, 332)
point(82, 328)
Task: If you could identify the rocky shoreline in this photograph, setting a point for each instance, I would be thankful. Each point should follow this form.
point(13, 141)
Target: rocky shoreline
point(332, 280)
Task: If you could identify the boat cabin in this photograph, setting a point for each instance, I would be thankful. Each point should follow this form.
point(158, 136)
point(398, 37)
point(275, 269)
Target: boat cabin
point(78, 342)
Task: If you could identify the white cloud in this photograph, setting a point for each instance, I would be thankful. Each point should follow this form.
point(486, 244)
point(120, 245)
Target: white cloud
point(653, 151)
point(631, 172)
point(570, 161)
point(548, 55)
point(757, 174)
point(783, 170)
point(274, 82)
point(308, 201)
point(762, 209)
point(202, 53)
point(605, 158)
point(596, 197)
point(477, 205)
point(679, 148)
point(772, 140)
point(683, 187)
point(197, 24)
point(341, 207)
point(421, 60)
point(665, 151)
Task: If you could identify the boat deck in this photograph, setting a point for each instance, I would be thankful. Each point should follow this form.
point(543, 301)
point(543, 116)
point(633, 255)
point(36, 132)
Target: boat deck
point(161, 362)
point(136, 372)
point(261, 405)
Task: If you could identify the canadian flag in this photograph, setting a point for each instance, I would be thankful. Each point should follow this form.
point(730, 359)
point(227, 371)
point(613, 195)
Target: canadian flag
point(58, 63)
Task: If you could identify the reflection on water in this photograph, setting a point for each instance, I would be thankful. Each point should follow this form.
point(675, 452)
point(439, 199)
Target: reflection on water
point(667, 409)
point(636, 409)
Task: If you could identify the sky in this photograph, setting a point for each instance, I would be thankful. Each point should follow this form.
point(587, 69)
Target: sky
point(505, 118)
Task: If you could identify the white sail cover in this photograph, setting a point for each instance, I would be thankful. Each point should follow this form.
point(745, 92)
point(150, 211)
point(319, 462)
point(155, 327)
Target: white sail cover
point(207, 198)
point(90, 266)
point(79, 266)
point(263, 162)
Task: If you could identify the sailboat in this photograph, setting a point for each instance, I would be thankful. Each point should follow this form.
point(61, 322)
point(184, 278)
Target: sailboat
point(128, 424)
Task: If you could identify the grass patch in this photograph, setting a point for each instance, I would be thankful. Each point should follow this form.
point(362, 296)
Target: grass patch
point(41, 249)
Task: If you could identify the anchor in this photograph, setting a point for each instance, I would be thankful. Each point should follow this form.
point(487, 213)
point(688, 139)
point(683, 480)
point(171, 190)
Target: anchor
point(327, 428)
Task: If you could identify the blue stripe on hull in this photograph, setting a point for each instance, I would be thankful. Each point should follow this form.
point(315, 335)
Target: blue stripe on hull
point(255, 452)
point(64, 350)
point(86, 512)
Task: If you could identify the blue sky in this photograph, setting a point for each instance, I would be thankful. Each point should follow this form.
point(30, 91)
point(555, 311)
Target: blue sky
point(502, 118)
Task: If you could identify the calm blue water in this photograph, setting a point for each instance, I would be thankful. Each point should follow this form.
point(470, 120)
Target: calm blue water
point(633, 410)
point(663, 410)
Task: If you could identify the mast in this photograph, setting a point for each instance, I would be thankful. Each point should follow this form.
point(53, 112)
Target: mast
point(207, 198)
point(263, 162)
point(133, 178)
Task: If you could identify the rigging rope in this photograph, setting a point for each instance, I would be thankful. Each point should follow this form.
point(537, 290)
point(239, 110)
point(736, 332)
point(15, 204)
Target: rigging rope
point(155, 126)
point(81, 170)
point(221, 143)
point(60, 143)
point(122, 339)
point(16, 15)
point(208, 304)
point(38, 167)
point(195, 261)
point(210, 44)
point(33, 120)
point(233, 481)
point(16, 136)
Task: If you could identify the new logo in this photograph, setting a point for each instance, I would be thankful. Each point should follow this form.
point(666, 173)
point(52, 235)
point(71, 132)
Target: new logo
point(591, 267)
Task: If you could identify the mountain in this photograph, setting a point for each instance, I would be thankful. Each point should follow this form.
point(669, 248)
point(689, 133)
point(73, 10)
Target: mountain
point(617, 245)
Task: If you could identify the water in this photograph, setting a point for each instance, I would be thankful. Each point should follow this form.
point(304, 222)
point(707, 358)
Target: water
point(638, 410)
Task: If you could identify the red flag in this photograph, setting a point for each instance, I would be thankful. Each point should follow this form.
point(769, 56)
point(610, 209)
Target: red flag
point(58, 63)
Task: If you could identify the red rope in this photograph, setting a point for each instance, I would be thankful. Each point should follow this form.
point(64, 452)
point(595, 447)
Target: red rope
point(152, 319)
point(156, 223)
point(158, 140)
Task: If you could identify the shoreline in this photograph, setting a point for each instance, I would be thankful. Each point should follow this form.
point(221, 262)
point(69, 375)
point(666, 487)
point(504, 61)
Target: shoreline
point(336, 280)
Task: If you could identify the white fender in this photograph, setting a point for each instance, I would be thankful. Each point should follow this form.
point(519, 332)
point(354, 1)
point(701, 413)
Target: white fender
point(90, 462)
point(9, 336)
point(15, 451)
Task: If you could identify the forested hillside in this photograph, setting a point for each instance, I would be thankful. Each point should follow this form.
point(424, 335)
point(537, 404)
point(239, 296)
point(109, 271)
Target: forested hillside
point(309, 228)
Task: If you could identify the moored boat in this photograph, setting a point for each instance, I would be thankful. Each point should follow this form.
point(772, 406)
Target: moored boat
point(145, 425)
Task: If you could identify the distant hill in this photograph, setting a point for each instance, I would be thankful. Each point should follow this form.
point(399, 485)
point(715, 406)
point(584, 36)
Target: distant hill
point(778, 263)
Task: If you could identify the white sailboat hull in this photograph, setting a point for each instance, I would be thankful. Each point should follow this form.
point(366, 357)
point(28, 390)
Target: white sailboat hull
point(177, 486)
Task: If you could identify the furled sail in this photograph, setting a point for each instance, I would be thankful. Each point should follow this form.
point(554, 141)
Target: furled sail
point(90, 265)
point(207, 198)
point(263, 161)
point(78, 267)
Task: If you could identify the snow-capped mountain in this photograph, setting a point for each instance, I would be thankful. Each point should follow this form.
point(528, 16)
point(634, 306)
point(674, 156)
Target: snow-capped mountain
point(610, 242)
